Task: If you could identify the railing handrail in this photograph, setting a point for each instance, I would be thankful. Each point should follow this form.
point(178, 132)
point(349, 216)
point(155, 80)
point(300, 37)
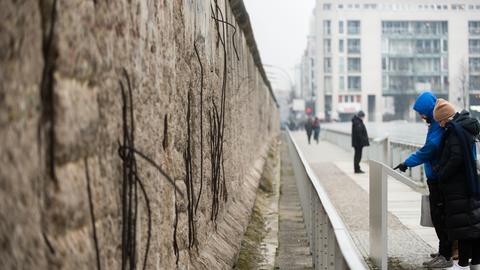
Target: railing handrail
point(378, 208)
point(372, 138)
point(397, 175)
point(344, 240)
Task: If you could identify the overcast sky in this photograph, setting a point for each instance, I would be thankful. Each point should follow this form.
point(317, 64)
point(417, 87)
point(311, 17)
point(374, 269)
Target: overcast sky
point(280, 28)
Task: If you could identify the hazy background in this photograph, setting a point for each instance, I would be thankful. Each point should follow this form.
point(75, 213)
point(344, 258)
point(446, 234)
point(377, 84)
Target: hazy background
point(280, 28)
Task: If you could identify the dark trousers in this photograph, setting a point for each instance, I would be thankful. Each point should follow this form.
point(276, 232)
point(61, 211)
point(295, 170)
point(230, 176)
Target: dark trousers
point(438, 219)
point(468, 248)
point(309, 136)
point(357, 157)
point(316, 134)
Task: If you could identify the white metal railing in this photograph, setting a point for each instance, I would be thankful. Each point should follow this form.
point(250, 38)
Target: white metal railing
point(330, 242)
point(378, 208)
point(390, 152)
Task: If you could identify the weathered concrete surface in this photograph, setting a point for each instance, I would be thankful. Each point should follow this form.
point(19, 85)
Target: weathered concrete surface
point(260, 242)
point(294, 249)
point(62, 67)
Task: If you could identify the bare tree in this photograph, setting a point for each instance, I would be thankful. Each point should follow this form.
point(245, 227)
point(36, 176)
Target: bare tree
point(463, 82)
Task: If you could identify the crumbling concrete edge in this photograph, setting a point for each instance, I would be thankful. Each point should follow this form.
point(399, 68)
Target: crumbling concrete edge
point(243, 20)
point(223, 246)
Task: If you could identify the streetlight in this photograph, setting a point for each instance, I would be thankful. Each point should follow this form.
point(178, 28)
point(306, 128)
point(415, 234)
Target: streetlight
point(284, 74)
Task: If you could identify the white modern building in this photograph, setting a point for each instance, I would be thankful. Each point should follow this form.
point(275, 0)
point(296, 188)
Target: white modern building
point(378, 55)
point(307, 79)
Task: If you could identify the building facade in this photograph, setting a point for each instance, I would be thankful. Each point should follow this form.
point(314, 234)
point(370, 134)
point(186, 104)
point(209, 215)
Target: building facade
point(308, 72)
point(376, 56)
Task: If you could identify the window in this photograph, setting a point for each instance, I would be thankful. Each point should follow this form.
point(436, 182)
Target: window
point(328, 84)
point(400, 83)
point(474, 46)
point(474, 28)
point(415, 27)
point(474, 64)
point(354, 83)
point(445, 82)
point(444, 63)
point(327, 46)
point(327, 6)
point(327, 28)
point(399, 65)
point(341, 83)
point(340, 45)
point(353, 27)
point(474, 82)
point(353, 45)
point(445, 46)
point(341, 64)
point(340, 27)
point(426, 65)
point(354, 64)
point(327, 65)
point(426, 46)
point(384, 64)
point(433, 81)
point(399, 46)
point(340, 6)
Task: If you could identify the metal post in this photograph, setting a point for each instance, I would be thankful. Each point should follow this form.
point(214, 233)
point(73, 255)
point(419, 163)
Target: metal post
point(378, 215)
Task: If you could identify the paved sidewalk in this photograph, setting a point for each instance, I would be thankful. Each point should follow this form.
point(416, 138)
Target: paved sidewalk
point(293, 251)
point(409, 243)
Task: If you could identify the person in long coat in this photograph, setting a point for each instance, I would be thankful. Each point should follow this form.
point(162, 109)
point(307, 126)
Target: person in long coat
point(316, 129)
point(309, 128)
point(459, 182)
point(359, 139)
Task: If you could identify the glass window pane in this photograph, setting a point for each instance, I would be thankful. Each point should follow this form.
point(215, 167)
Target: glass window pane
point(327, 65)
point(354, 64)
point(327, 46)
point(354, 83)
point(328, 84)
point(353, 27)
point(326, 27)
point(353, 45)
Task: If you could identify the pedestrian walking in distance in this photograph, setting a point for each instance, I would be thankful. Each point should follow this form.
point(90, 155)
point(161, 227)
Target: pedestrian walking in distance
point(359, 139)
point(428, 156)
point(316, 129)
point(309, 128)
point(458, 181)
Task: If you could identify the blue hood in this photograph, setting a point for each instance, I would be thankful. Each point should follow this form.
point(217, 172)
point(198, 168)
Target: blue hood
point(425, 104)
point(428, 153)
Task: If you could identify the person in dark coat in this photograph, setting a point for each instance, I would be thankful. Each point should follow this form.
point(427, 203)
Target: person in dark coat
point(359, 139)
point(459, 182)
point(316, 129)
point(309, 128)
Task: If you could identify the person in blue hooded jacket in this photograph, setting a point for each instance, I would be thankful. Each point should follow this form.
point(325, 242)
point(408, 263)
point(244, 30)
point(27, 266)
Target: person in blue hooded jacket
point(428, 156)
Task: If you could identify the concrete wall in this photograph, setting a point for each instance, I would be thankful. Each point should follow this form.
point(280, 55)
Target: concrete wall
point(127, 113)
